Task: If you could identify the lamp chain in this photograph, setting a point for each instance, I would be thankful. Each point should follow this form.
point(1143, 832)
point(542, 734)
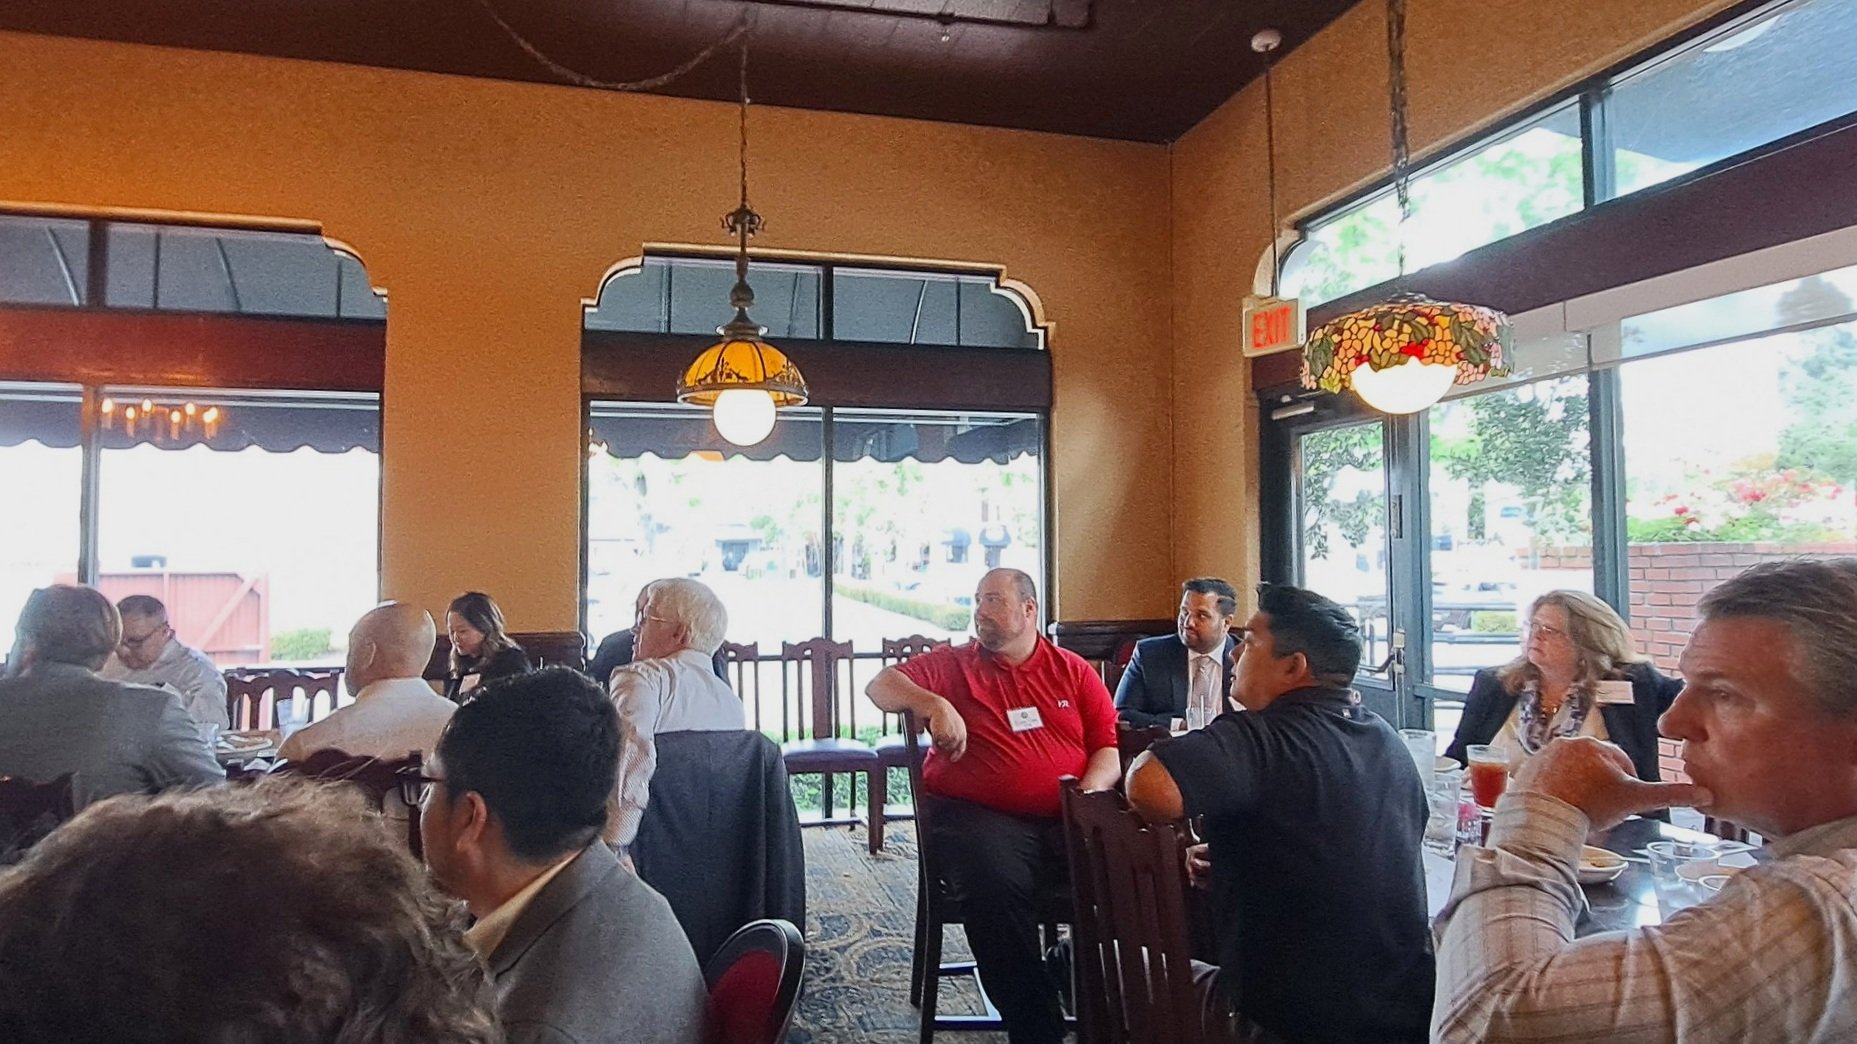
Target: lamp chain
point(742, 221)
point(1396, 87)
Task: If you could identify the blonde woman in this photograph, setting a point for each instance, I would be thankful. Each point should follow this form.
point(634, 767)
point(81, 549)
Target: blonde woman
point(1578, 675)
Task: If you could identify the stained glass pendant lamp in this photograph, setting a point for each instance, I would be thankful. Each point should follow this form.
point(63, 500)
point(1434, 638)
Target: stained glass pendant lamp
point(743, 379)
point(1402, 354)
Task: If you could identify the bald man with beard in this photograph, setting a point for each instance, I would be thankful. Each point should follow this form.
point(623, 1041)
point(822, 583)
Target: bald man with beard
point(395, 712)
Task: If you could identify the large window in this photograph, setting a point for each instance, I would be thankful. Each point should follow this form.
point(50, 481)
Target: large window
point(1734, 90)
point(252, 514)
point(667, 498)
point(921, 505)
point(42, 472)
point(1771, 474)
point(261, 539)
point(52, 261)
point(1526, 177)
point(1726, 92)
point(1683, 444)
point(795, 301)
point(1510, 494)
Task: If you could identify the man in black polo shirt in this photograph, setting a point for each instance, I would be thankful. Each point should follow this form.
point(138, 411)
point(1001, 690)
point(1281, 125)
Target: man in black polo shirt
point(1314, 813)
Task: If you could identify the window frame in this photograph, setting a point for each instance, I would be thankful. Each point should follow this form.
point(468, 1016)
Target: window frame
point(1591, 96)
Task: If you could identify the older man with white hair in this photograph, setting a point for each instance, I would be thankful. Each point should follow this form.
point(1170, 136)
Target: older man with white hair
point(670, 687)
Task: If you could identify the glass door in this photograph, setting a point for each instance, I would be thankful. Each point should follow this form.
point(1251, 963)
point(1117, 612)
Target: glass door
point(1343, 546)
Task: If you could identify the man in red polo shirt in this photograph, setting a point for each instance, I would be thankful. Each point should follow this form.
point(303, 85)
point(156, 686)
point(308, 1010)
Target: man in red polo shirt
point(1009, 714)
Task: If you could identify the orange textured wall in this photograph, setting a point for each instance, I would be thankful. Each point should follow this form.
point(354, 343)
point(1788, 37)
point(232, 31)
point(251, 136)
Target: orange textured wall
point(1331, 116)
point(487, 210)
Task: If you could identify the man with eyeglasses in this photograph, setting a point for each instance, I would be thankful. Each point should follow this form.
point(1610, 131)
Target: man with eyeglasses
point(151, 654)
point(511, 810)
point(1009, 714)
point(670, 687)
point(1182, 678)
point(58, 716)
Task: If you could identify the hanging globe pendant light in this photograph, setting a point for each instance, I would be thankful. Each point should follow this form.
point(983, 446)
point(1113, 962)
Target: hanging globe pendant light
point(742, 379)
point(1403, 354)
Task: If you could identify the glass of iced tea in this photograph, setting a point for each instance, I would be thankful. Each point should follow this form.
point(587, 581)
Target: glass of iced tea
point(1489, 773)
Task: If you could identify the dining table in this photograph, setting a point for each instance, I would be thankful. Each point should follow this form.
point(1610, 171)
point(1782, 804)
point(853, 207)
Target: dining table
point(1632, 900)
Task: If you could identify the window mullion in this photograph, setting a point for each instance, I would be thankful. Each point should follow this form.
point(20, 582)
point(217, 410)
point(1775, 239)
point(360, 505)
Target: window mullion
point(89, 437)
point(827, 502)
point(1611, 569)
point(1599, 170)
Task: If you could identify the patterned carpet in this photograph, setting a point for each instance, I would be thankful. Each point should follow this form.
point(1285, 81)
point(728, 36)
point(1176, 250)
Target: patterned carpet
point(861, 911)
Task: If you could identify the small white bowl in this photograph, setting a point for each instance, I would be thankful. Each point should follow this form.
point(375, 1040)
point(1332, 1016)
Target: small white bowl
point(1598, 866)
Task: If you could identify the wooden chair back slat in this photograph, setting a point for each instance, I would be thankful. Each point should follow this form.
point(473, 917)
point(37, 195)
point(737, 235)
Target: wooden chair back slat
point(813, 700)
point(743, 664)
point(253, 695)
point(902, 650)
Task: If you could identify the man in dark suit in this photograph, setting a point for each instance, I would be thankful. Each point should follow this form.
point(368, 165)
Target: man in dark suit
point(512, 806)
point(1186, 674)
point(58, 716)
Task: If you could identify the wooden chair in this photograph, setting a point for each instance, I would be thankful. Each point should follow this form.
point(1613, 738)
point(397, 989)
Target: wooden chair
point(892, 750)
point(741, 662)
point(378, 778)
point(809, 709)
point(936, 908)
point(252, 695)
point(1129, 944)
point(29, 811)
point(1130, 742)
point(1729, 831)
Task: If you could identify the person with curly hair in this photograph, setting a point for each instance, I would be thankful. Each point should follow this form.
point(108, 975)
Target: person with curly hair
point(276, 912)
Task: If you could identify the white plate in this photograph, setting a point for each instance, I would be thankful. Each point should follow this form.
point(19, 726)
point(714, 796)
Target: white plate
point(1598, 866)
point(1444, 764)
point(241, 741)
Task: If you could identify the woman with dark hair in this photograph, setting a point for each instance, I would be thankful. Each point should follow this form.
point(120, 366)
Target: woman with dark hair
point(1578, 674)
point(481, 649)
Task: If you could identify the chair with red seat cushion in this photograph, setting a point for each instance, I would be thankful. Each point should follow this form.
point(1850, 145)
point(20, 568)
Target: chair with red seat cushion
point(754, 983)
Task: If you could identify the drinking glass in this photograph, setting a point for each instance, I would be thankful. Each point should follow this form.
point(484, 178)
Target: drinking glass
point(1423, 743)
point(1489, 773)
point(1442, 794)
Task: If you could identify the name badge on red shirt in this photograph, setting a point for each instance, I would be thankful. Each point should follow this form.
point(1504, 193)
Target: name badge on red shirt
point(1024, 719)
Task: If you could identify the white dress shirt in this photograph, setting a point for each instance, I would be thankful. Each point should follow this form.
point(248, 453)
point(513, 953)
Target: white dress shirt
point(678, 693)
point(1772, 957)
point(390, 718)
point(185, 670)
point(1204, 675)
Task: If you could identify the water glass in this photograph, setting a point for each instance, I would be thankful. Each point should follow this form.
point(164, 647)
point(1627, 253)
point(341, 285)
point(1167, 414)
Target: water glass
point(1677, 868)
point(1423, 745)
point(1443, 794)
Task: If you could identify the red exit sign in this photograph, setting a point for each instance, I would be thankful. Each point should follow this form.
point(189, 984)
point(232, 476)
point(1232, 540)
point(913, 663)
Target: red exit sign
point(1272, 325)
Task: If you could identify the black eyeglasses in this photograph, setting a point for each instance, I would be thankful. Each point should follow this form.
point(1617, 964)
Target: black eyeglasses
point(415, 785)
